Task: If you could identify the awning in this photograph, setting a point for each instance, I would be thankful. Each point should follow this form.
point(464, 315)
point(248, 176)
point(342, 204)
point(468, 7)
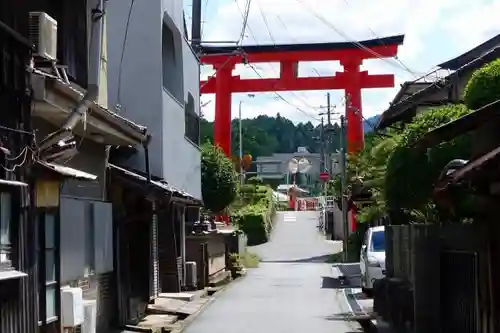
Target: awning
point(64, 171)
point(11, 274)
point(9, 183)
point(396, 111)
point(54, 100)
point(467, 123)
point(158, 185)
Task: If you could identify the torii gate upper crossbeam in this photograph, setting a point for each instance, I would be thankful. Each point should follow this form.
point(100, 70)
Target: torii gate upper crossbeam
point(352, 80)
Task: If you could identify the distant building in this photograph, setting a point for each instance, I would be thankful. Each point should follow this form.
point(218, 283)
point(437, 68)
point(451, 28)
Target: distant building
point(276, 166)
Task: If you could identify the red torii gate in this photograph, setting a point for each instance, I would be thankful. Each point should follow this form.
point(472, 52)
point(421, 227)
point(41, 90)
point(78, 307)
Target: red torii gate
point(352, 80)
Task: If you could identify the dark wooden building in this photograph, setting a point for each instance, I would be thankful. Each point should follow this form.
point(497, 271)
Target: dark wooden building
point(18, 267)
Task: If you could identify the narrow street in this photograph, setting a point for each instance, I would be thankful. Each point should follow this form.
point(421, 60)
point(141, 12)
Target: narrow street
point(291, 291)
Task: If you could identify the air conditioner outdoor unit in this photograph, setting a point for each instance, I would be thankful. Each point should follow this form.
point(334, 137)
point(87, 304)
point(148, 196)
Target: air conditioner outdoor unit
point(43, 34)
point(191, 275)
point(89, 316)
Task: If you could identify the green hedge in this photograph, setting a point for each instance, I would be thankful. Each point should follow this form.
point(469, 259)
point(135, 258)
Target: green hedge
point(256, 220)
point(484, 86)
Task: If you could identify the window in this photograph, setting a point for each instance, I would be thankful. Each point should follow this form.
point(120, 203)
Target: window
point(172, 63)
point(378, 241)
point(89, 241)
point(5, 229)
point(48, 261)
point(192, 121)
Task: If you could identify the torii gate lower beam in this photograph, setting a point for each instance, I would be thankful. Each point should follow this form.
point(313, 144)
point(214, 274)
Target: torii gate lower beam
point(352, 80)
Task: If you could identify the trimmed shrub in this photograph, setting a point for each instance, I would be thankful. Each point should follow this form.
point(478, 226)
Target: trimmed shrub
point(256, 220)
point(483, 87)
point(255, 181)
point(411, 174)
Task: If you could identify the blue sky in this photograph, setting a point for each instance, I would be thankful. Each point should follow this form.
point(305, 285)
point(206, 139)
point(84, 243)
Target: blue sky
point(435, 30)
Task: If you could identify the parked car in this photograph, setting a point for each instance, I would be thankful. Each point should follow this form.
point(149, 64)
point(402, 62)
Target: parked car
point(372, 258)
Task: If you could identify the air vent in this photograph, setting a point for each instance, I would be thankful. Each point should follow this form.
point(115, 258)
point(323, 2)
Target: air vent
point(43, 34)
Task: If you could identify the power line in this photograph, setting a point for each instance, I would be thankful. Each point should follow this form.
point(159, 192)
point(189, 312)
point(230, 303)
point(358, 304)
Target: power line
point(293, 38)
point(120, 68)
point(245, 19)
point(266, 23)
point(347, 38)
point(204, 18)
point(284, 99)
point(377, 36)
point(271, 35)
point(255, 70)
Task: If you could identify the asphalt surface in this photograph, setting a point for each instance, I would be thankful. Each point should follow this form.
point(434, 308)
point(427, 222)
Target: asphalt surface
point(290, 292)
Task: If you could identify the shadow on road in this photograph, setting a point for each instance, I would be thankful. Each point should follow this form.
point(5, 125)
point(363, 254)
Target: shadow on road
point(311, 260)
point(334, 283)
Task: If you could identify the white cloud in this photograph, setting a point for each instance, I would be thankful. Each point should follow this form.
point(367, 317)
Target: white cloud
point(292, 22)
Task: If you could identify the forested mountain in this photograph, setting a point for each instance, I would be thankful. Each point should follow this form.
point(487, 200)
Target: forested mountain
point(264, 135)
point(370, 123)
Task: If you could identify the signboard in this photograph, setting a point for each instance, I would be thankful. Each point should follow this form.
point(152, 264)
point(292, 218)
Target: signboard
point(323, 176)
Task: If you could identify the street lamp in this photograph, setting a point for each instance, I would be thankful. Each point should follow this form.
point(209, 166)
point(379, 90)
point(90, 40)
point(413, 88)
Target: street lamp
point(242, 173)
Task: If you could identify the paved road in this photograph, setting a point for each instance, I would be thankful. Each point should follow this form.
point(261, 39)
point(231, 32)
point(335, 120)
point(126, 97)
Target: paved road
point(290, 291)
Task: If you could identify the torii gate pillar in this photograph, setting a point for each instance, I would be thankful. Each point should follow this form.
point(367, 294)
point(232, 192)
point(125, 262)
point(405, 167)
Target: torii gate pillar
point(222, 124)
point(353, 106)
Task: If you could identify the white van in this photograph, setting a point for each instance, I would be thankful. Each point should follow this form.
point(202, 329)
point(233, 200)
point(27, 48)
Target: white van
point(372, 258)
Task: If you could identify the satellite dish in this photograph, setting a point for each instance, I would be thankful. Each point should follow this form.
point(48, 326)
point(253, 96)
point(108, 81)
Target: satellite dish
point(293, 165)
point(304, 165)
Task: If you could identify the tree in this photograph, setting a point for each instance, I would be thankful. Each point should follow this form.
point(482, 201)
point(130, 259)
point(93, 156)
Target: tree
point(483, 87)
point(411, 173)
point(218, 178)
point(264, 135)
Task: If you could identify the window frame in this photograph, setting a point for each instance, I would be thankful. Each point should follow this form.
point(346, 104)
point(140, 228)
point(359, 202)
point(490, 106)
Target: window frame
point(8, 248)
point(190, 115)
point(43, 284)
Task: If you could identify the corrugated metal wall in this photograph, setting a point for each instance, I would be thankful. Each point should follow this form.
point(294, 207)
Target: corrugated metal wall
point(18, 307)
point(155, 264)
point(167, 245)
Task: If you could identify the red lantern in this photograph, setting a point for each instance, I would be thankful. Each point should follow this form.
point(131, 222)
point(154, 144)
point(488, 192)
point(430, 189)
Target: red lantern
point(247, 161)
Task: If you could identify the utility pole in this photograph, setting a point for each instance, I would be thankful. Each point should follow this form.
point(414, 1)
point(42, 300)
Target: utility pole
point(343, 175)
point(196, 26)
point(328, 111)
point(328, 143)
point(322, 145)
point(240, 129)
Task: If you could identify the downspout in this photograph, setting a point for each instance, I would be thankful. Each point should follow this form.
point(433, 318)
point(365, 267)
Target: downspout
point(94, 71)
point(94, 65)
point(145, 145)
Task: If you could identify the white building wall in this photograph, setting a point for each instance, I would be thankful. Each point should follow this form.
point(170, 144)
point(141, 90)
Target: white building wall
point(143, 98)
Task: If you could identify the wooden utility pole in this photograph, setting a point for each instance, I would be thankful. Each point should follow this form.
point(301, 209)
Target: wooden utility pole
point(328, 141)
point(343, 175)
point(322, 145)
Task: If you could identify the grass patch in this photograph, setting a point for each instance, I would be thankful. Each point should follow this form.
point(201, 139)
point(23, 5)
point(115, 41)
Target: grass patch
point(251, 260)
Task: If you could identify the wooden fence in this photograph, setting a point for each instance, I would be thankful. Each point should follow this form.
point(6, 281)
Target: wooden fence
point(437, 279)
